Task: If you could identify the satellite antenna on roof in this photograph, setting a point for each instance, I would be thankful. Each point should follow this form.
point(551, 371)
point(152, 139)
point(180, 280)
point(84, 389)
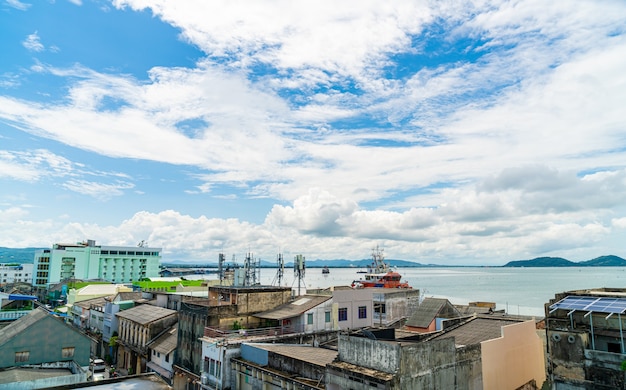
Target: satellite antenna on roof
point(142, 243)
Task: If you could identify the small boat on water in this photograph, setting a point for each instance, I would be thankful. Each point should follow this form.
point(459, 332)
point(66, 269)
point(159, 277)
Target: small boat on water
point(379, 274)
point(325, 270)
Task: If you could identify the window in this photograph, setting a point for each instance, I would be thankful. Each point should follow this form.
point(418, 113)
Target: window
point(327, 316)
point(213, 367)
point(67, 352)
point(167, 358)
point(21, 356)
point(309, 319)
point(343, 314)
point(614, 347)
point(362, 312)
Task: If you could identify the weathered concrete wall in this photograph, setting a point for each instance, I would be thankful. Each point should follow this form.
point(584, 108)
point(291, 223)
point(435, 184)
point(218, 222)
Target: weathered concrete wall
point(378, 355)
point(428, 365)
point(295, 366)
point(250, 302)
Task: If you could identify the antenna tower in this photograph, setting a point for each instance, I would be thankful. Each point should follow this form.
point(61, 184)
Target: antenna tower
point(252, 271)
point(220, 267)
point(299, 268)
point(280, 273)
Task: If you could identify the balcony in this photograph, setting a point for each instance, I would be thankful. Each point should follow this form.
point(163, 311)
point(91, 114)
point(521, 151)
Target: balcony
point(12, 315)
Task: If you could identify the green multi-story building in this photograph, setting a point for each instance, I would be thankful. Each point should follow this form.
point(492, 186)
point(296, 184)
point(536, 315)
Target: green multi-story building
point(88, 261)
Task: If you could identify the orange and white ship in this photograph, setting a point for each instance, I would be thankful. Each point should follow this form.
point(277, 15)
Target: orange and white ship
point(379, 274)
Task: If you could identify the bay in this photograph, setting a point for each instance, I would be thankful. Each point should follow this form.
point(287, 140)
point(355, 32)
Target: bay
point(521, 291)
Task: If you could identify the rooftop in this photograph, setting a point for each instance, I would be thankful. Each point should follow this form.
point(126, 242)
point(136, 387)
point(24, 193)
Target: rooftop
point(477, 330)
point(145, 314)
point(305, 353)
point(294, 308)
point(166, 342)
point(21, 374)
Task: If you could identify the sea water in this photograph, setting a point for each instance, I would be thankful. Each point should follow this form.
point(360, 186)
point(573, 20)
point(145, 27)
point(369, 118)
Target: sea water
point(517, 290)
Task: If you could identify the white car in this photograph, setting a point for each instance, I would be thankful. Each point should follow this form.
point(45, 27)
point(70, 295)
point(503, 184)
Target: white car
point(98, 376)
point(98, 365)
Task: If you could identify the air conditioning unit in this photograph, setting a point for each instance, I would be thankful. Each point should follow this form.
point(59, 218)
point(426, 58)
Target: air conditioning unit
point(204, 378)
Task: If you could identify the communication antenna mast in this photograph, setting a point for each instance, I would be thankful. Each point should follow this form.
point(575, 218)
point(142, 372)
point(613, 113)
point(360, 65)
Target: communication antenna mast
point(220, 266)
point(299, 268)
point(278, 279)
point(252, 271)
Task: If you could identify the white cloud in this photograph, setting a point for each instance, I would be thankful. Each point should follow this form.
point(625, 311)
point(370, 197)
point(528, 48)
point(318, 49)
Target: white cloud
point(33, 165)
point(514, 153)
point(98, 190)
point(33, 42)
point(18, 5)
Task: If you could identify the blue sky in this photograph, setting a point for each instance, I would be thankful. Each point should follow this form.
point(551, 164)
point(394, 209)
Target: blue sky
point(447, 133)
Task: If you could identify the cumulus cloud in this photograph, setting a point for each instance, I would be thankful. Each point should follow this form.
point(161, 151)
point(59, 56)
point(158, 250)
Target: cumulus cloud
point(33, 42)
point(355, 132)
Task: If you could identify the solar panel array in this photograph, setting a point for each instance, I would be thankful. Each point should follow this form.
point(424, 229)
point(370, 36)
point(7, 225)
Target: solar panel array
point(595, 304)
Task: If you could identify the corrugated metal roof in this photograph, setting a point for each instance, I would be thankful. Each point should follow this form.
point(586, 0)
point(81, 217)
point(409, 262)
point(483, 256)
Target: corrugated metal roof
point(426, 312)
point(145, 314)
point(477, 330)
point(294, 308)
point(166, 342)
point(20, 324)
point(305, 353)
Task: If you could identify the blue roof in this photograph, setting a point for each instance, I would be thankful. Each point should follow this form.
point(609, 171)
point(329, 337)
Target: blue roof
point(20, 297)
point(591, 304)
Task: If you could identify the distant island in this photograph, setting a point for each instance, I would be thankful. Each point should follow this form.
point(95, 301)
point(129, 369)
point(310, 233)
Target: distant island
point(26, 255)
point(602, 261)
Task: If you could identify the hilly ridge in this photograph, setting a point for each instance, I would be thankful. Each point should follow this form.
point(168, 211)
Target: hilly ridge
point(602, 261)
point(26, 255)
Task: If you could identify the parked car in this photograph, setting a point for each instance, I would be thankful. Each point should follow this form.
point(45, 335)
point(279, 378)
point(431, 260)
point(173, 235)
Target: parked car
point(98, 365)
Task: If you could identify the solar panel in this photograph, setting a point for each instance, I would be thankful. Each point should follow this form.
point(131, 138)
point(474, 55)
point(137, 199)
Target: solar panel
point(594, 304)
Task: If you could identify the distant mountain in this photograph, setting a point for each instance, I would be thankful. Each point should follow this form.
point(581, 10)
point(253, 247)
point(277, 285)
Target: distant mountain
point(17, 255)
point(605, 261)
point(602, 261)
point(341, 263)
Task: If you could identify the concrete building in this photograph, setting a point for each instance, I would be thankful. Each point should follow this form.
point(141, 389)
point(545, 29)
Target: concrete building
point(41, 337)
point(121, 301)
point(228, 308)
point(585, 339)
point(306, 313)
point(481, 353)
point(88, 261)
point(161, 350)
point(138, 326)
point(380, 307)
point(281, 366)
point(15, 273)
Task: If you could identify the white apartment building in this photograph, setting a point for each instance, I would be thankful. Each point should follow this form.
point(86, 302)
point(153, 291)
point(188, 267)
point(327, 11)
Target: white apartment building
point(88, 261)
point(15, 273)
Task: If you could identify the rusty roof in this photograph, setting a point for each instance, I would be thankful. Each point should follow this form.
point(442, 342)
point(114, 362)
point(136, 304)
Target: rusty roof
point(305, 353)
point(294, 308)
point(145, 314)
point(477, 330)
